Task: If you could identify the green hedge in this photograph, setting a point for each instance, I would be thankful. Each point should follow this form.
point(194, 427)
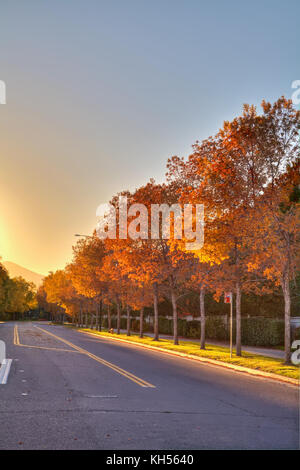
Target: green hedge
point(262, 332)
point(215, 328)
point(296, 334)
point(135, 326)
point(256, 331)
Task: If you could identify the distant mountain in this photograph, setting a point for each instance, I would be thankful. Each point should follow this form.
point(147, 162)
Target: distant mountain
point(14, 270)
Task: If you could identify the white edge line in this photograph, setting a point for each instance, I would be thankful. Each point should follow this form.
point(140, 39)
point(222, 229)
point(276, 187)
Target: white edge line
point(4, 371)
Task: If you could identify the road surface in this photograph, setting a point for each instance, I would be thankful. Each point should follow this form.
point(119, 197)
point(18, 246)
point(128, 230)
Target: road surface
point(70, 390)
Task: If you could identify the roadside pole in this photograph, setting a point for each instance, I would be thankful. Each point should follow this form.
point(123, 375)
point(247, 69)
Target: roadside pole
point(231, 324)
point(228, 300)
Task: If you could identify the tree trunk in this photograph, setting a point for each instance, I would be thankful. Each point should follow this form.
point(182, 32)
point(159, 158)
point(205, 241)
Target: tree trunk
point(92, 321)
point(118, 318)
point(80, 316)
point(108, 317)
point(100, 315)
point(155, 305)
point(175, 316)
point(238, 320)
point(128, 320)
point(97, 317)
point(202, 318)
point(287, 318)
point(142, 322)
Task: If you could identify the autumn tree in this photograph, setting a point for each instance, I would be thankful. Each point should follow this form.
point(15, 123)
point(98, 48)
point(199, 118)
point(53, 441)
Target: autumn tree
point(88, 256)
point(232, 172)
point(168, 266)
point(276, 248)
point(60, 290)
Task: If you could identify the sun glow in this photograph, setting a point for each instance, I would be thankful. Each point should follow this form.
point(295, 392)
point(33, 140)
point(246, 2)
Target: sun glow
point(5, 245)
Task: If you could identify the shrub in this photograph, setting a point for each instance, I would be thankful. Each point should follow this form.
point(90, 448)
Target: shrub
point(215, 328)
point(257, 331)
point(194, 329)
point(165, 326)
point(296, 333)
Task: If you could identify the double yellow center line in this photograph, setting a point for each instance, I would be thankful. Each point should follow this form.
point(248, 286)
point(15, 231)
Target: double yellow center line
point(16, 336)
point(118, 369)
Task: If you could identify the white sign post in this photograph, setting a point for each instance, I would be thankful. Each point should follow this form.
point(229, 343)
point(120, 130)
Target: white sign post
point(228, 300)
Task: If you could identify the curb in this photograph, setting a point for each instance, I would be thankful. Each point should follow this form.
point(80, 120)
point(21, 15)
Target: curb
point(225, 365)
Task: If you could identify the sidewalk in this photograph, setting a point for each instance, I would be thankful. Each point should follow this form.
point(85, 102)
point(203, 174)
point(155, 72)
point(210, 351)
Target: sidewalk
point(268, 352)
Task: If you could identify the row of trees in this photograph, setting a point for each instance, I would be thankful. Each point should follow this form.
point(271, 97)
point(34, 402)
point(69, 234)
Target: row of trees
point(247, 177)
point(17, 296)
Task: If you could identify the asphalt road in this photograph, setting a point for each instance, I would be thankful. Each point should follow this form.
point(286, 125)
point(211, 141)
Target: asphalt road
point(90, 393)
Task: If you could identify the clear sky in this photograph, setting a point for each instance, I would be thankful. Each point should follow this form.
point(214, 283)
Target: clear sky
point(101, 93)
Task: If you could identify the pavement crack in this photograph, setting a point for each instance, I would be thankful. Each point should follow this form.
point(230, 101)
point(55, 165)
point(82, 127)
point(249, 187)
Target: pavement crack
point(248, 412)
point(120, 410)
